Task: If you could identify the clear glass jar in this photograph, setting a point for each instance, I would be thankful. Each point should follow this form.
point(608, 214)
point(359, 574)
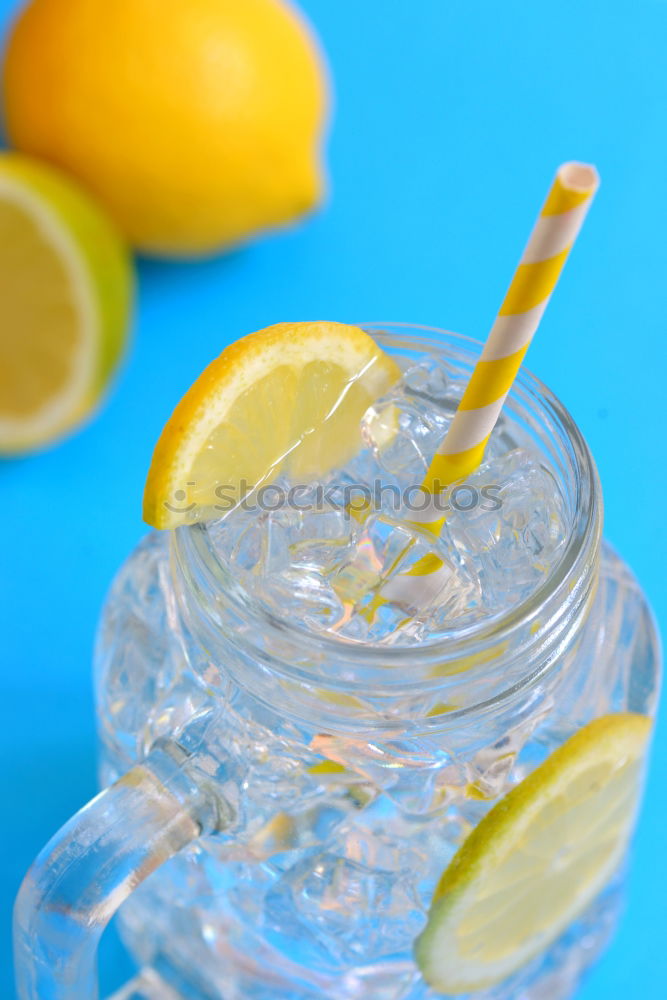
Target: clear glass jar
point(302, 795)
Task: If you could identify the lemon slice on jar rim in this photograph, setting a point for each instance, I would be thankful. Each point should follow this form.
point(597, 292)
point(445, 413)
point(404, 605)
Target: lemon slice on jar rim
point(289, 398)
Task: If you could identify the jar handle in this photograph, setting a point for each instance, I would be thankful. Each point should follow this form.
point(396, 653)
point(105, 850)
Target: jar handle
point(91, 866)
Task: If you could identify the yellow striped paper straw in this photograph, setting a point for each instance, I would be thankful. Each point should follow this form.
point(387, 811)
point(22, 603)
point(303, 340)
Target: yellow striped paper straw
point(462, 449)
point(547, 250)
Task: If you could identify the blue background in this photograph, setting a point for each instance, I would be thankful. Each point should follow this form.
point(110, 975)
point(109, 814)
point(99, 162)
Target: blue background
point(450, 118)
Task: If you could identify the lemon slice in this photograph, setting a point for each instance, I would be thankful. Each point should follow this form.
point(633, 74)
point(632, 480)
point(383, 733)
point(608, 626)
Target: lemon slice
point(537, 859)
point(65, 295)
point(286, 399)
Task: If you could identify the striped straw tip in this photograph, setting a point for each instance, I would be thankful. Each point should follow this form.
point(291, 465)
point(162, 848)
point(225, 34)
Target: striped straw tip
point(578, 176)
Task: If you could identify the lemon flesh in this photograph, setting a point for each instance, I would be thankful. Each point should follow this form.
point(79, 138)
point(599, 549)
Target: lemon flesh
point(537, 859)
point(65, 295)
point(288, 399)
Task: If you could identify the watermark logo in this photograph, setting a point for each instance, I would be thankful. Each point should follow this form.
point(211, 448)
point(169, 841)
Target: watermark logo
point(181, 497)
point(352, 498)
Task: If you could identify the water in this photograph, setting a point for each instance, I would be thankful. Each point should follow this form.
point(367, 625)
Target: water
point(327, 880)
point(354, 538)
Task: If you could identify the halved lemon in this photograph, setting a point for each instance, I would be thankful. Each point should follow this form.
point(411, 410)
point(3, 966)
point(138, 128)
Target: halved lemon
point(65, 298)
point(285, 399)
point(537, 859)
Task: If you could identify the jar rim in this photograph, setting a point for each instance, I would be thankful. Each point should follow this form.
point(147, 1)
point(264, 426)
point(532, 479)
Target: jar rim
point(193, 544)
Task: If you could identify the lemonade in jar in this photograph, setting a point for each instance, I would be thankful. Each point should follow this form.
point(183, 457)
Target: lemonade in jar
point(369, 729)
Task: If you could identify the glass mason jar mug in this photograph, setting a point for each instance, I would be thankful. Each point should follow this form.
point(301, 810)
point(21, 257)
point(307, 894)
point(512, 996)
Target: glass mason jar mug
point(293, 797)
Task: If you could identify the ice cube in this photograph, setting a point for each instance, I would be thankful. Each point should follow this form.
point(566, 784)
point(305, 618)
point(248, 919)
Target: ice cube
point(344, 909)
point(319, 538)
point(404, 427)
point(302, 595)
point(428, 381)
point(398, 579)
point(516, 529)
point(283, 555)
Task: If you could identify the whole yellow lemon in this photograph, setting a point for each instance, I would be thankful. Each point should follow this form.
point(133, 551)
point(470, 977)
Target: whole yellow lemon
point(196, 122)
